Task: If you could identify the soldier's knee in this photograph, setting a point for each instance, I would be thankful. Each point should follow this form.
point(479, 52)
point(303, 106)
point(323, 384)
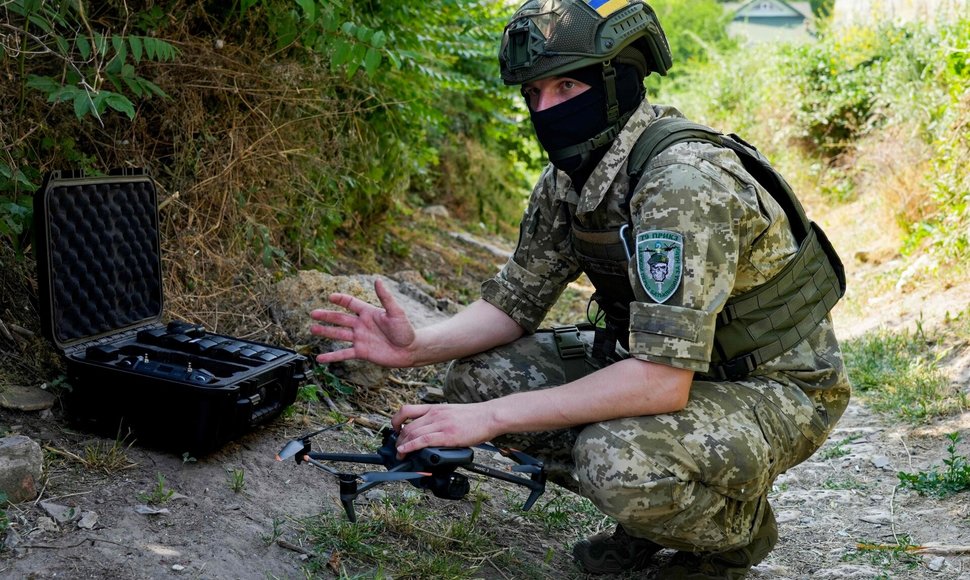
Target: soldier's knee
point(612, 472)
point(473, 379)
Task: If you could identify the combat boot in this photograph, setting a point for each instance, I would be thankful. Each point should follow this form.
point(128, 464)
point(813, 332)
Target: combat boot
point(612, 553)
point(730, 565)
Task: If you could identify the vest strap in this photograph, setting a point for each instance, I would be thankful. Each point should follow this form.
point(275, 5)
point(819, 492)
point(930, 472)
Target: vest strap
point(572, 351)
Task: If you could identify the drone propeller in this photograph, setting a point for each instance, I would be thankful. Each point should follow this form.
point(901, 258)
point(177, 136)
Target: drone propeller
point(533, 468)
point(290, 449)
point(374, 476)
point(299, 444)
point(526, 462)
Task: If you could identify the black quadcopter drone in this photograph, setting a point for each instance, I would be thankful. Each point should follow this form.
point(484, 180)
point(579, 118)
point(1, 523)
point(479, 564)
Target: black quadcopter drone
point(431, 468)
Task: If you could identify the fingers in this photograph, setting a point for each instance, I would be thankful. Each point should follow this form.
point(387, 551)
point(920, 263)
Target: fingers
point(332, 332)
point(333, 317)
point(387, 299)
point(355, 305)
point(336, 356)
point(406, 413)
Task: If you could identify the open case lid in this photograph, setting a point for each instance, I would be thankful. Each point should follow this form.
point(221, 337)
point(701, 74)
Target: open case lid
point(98, 254)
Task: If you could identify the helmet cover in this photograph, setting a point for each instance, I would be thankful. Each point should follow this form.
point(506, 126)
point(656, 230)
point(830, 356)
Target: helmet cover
point(552, 37)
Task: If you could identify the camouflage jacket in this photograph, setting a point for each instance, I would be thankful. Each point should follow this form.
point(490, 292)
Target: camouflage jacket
point(734, 237)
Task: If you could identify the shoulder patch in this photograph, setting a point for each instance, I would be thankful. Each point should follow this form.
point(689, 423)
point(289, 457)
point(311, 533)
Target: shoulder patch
point(660, 256)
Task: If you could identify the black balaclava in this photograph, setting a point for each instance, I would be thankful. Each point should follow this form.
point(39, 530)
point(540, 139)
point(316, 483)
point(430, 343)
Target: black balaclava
point(584, 116)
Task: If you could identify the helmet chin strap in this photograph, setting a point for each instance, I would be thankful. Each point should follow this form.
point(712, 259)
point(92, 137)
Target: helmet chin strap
point(613, 120)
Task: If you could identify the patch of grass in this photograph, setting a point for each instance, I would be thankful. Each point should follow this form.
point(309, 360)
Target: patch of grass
point(276, 533)
point(901, 373)
point(100, 456)
point(954, 478)
point(837, 483)
point(108, 457)
point(159, 494)
point(837, 450)
point(559, 511)
point(889, 556)
point(404, 539)
point(237, 479)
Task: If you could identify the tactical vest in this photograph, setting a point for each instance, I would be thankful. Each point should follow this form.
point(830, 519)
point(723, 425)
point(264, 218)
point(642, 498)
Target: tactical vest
point(755, 326)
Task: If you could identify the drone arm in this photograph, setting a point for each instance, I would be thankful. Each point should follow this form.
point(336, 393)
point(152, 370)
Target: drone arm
point(369, 458)
point(537, 483)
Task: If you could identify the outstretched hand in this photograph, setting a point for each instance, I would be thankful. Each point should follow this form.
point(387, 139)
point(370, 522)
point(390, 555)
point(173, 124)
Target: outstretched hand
point(382, 336)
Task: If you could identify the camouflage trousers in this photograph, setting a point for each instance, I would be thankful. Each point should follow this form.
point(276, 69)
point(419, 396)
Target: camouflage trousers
point(694, 480)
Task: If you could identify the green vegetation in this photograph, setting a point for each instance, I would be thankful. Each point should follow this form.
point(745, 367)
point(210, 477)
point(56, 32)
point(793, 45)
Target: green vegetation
point(840, 483)
point(900, 372)
point(401, 539)
point(236, 479)
point(887, 556)
point(875, 110)
point(837, 450)
point(159, 494)
point(954, 478)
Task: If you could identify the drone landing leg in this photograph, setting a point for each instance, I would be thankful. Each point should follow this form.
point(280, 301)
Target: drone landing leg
point(348, 492)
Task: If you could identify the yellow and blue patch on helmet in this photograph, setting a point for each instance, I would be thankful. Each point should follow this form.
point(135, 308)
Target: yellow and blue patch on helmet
point(606, 7)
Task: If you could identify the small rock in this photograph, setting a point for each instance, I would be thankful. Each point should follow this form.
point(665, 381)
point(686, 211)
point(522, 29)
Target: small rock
point(21, 398)
point(150, 511)
point(21, 467)
point(879, 519)
point(936, 564)
point(881, 461)
point(178, 567)
point(437, 211)
point(62, 514)
point(46, 524)
point(12, 540)
point(88, 520)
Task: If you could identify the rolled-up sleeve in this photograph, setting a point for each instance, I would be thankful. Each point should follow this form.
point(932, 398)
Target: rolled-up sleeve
point(671, 335)
point(688, 196)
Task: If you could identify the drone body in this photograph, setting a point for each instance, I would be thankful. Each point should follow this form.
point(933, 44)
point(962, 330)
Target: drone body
point(431, 468)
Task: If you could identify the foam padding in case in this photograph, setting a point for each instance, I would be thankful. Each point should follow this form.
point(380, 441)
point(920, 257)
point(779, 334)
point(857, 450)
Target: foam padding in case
point(102, 248)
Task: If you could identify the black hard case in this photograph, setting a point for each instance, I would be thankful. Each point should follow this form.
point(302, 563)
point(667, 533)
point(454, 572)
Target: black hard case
point(171, 385)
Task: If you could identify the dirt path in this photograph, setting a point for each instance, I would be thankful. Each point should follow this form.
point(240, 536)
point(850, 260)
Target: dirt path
point(846, 495)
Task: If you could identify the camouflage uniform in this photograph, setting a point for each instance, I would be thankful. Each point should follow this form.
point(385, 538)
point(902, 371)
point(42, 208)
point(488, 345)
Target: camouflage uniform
point(696, 479)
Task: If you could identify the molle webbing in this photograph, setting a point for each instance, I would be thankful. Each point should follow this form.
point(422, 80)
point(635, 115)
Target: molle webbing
point(771, 319)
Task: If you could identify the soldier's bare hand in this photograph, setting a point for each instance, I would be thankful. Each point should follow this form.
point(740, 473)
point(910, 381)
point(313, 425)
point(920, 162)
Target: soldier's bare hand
point(382, 336)
point(422, 426)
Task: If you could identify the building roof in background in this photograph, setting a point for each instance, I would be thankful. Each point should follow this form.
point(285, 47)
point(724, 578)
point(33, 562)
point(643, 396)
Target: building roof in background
point(766, 11)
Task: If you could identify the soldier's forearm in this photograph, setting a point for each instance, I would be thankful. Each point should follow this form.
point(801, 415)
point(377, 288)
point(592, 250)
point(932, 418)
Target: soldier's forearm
point(629, 388)
point(477, 328)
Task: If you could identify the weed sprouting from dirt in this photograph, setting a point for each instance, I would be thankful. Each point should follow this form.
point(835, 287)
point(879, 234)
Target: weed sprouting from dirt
point(106, 456)
point(954, 478)
point(159, 494)
point(237, 480)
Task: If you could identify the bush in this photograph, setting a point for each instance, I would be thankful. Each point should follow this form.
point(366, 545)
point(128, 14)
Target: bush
point(818, 108)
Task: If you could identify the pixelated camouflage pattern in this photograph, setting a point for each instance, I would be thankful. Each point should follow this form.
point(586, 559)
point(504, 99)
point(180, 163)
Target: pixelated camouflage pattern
point(693, 480)
point(696, 479)
point(736, 237)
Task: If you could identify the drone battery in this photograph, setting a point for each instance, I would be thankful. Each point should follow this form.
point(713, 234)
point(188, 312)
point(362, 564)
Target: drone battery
point(172, 385)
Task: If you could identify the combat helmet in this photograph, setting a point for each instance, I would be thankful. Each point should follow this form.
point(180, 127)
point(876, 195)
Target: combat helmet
point(553, 37)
